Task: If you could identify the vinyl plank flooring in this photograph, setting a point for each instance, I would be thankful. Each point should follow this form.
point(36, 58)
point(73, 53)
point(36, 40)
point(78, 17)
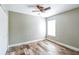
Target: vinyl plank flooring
point(44, 47)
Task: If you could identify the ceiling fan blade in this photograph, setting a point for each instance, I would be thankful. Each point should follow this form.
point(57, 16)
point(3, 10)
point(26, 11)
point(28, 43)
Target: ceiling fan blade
point(47, 8)
point(35, 11)
point(31, 6)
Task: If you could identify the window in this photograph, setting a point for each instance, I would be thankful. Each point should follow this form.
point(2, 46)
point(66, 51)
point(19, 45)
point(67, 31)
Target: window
point(52, 27)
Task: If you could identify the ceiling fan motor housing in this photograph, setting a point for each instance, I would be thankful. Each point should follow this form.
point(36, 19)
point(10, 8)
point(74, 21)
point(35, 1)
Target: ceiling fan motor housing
point(40, 8)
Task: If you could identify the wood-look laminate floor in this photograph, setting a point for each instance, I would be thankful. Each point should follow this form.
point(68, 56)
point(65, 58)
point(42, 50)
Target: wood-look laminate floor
point(44, 47)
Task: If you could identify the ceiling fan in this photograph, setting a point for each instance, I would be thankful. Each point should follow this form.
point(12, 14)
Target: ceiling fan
point(40, 8)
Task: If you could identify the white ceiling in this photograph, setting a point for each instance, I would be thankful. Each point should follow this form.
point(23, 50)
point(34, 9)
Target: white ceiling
point(55, 9)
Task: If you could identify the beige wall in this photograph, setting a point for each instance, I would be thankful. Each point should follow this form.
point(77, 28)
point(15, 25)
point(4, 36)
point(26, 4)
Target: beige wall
point(23, 28)
point(67, 27)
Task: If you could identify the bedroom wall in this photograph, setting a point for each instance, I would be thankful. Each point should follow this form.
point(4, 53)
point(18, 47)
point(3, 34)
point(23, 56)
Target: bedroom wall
point(24, 28)
point(3, 30)
point(67, 27)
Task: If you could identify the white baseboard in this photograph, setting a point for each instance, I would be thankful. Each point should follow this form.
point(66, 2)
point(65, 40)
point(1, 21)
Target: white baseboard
point(65, 45)
point(26, 42)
